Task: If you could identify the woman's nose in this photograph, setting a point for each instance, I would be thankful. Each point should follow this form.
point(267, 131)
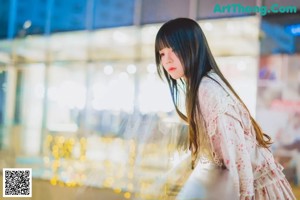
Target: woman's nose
point(169, 57)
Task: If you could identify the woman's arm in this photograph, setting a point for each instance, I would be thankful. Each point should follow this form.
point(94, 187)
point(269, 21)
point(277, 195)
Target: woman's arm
point(229, 144)
point(226, 129)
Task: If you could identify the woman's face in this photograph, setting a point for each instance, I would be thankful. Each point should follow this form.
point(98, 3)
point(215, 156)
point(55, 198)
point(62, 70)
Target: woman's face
point(171, 63)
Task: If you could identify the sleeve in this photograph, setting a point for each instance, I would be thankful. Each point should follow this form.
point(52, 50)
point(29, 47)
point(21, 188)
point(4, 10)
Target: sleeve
point(226, 129)
point(229, 144)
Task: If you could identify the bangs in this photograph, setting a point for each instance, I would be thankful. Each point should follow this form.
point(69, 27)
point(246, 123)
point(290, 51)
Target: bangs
point(162, 41)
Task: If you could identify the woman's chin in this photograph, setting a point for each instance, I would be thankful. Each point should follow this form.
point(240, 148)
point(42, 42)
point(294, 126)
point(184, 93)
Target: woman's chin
point(176, 77)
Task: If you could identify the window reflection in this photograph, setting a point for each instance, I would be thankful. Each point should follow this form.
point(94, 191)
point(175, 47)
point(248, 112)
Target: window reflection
point(66, 97)
point(95, 108)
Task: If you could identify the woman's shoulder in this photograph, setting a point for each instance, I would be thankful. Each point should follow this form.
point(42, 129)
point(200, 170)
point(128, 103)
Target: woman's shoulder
point(216, 99)
point(213, 96)
point(212, 88)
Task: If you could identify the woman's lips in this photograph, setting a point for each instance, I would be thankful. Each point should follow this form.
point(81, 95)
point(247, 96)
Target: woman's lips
point(171, 69)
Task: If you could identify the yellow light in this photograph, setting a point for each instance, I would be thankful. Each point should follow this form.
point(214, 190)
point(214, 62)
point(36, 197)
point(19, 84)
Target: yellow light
point(117, 190)
point(61, 139)
point(110, 179)
point(49, 138)
point(108, 182)
point(55, 148)
point(127, 195)
point(82, 158)
point(74, 184)
point(82, 140)
point(56, 163)
point(53, 181)
point(69, 184)
point(60, 183)
point(72, 141)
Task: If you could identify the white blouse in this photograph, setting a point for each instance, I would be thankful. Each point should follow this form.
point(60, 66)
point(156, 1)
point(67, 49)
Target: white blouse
point(233, 144)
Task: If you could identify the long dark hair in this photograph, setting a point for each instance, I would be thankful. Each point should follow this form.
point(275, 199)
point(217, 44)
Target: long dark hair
point(188, 41)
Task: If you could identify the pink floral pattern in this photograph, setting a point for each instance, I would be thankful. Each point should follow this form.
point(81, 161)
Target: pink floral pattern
point(233, 142)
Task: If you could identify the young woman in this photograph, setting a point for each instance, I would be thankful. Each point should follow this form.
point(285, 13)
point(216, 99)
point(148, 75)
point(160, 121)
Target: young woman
point(221, 129)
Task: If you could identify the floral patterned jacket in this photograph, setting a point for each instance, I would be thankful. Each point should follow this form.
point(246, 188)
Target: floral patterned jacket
point(233, 140)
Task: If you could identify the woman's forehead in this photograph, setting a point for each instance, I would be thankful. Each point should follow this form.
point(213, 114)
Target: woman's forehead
point(165, 49)
point(161, 44)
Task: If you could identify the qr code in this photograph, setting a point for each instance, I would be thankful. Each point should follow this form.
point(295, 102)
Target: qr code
point(17, 182)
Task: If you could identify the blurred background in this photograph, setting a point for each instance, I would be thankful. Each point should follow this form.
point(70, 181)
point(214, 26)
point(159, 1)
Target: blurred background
point(81, 103)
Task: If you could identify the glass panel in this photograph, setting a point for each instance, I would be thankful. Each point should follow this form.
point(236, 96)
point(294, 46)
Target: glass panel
point(30, 19)
point(66, 97)
point(154, 95)
point(156, 11)
point(278, 94)
point(113, 13)
point(68, 15)
point(241, 36)
point(112, 97)
point(25, 108)
point(242, 77)
point(237, 56)
point(148, 34)
point(280, 34)
point(5, 52)
point(115, 44)
point(4, 16)
point(3, 94)
point(31, 49)
point(32, 109)
point(66, 46)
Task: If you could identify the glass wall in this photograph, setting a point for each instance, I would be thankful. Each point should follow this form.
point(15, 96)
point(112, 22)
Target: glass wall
point(92, 100)
point(82, 105)
point(278, 89)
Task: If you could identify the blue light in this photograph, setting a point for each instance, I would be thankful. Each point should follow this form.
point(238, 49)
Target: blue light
point(294, 29)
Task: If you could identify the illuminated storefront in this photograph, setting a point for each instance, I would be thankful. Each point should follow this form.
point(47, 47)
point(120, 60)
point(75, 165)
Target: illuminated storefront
point(93, 100)
point(86, 107)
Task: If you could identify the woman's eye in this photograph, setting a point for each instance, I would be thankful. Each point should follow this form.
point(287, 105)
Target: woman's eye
point(162, 54)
